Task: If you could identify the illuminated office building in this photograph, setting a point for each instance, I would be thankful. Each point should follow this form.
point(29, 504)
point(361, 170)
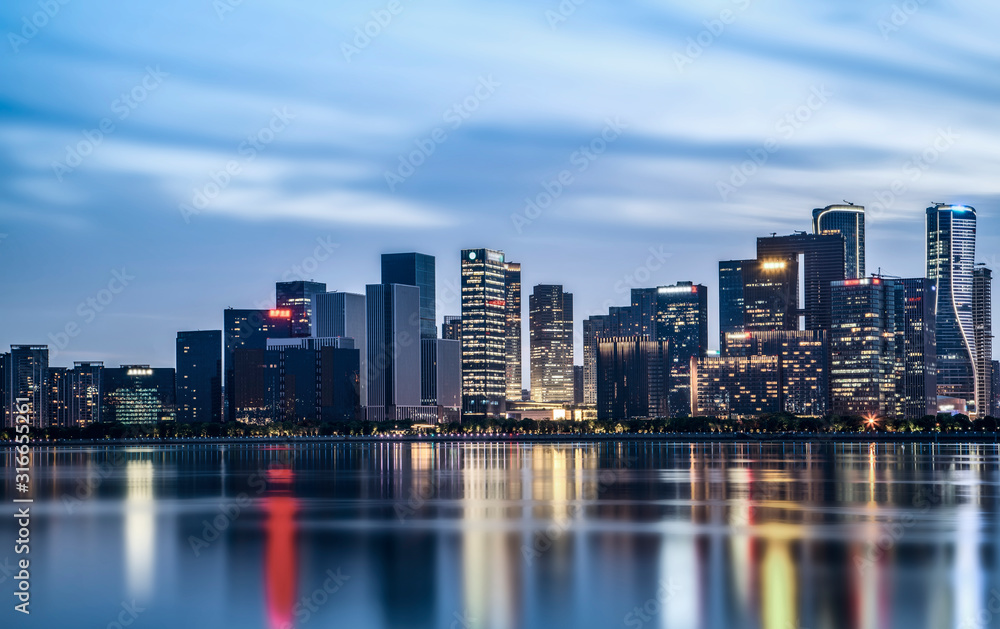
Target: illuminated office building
point(451, 329)
point(58, 388)
point(951, 252)
point(682, 319)
point(139, 394)
point(593, 331)
point(512, 289)
point(199, 376)
point(758, 295)
point(866, 352)
point(316, 380)
point(995, 389)
point(484, 345)
point(28, 367)
point(415, 269)
point(643, 310)
point(87, 393)
point(918, 389)
point(551, 339)
point(803, 362)
point(393, 322)
point(735, 387)
point(249, 329)
point(297, 297)
point(633, 378)
point(823, 262)
point(847, 221)
point(982, 325)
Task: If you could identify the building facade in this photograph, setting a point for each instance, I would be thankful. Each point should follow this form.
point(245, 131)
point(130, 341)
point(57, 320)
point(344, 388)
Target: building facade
point(918, 389)
point(847, 221)
point(139, 394)
point(551, 339)
point(512, 289)
point(297, 298)
point(951, 252)
point(803, 361)
point(982, 326)
point(199, 376)
point(249, 329)
point(441, 381)
point(415, 269)
point(682, 319)
point(340, 314)
point(28, 368)
point(86, 382)
point(451, 328)
point(735, 387)
point(593, 330)
point(823, 259)
point(633, 378)
point(393, 348)
point(58, 388)
point(484, 345)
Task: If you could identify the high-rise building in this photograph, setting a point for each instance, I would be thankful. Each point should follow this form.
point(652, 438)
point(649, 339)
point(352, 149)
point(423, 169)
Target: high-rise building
point(770, 297)
point(633, 378)
point(866, 356)
point(58, 389)
point(731, 298)
point(577, 384)
point(735, 387)
point(823, 261)
point(86, 382)
point(253, 385)
point(199, 376)
point(138, 394)
point(919, 386)
point(512, 288)
point(682, 319)
point(551, 325)
point(484, 347)
point(995, 389)
point(249, 330)
point(803, 362)
point(5, 421)
point(982, 325)
point(297, 297)
point(393, 349)
point(451, 329)
point(28, 377)
point(847, 221)
point(340, 314)
point(951, 252)
point(317, 381)
point(415, 269)
point(441, 382)
point(593, 331)
point(643, 313)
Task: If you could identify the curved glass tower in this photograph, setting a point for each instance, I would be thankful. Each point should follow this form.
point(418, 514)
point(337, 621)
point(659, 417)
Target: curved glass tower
point(951, 252)
point(849, 222)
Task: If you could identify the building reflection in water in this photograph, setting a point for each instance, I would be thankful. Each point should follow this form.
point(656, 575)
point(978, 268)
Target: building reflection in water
point(280, 550)
point(140, 528)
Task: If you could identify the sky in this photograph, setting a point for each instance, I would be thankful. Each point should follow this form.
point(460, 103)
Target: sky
point(160, 162)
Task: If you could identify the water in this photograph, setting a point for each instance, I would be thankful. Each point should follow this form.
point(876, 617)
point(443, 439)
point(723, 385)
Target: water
point(469, 535)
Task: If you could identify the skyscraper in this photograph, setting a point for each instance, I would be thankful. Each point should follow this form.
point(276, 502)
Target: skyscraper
point(731, 298)
point(483, 333)
point(249, 330)
point(682, 319)
point(393, 350)
point(849, 222)
point(866, 360)
point(823, 259)
point(919, 385)
point(770, 298)
point(551, 323)
point(297, 297)
point(951, 252)
point(803, 362)
point(86, 381)
point(735, 387)
point(441, 382)
point(633, 378)
point(982, 325)
point(593, 329)
point(344, 315)
point(451, 329)
point(512, 288)
point(57, 386)
point(995, 389)
point(139, 394)
point(643, 313)
point(199, 376)
point(415, 269)
point(29, 366)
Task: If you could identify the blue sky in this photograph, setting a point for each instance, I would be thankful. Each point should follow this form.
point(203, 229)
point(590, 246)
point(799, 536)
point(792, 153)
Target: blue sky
point(114, 117)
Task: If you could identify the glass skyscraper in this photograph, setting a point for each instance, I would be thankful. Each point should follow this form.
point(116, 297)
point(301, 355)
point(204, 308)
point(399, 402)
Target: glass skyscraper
point(823, 258)
point(484, 333)
point(951, 252)
point(297, 297)
point(551, 323)
point(199, 376)
point(982, 323)
point(682, 319)
point(919, 386)
point(415, 269)
point(849, 222)
point(512, 288)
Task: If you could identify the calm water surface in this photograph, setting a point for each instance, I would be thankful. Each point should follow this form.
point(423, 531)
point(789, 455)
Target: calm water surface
point(470, 535)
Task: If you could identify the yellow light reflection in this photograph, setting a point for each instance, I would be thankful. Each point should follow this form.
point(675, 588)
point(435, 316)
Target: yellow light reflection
point(140, 528)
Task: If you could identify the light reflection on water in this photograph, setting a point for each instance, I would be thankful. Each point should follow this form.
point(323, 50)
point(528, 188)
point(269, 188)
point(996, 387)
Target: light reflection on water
point(594, 534)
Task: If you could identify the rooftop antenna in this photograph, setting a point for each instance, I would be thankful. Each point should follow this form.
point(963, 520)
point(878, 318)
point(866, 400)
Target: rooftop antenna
point(773, 234)
point(848, 202)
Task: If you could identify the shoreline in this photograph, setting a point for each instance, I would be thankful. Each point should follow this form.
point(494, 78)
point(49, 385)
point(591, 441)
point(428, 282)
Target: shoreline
point(846, 437)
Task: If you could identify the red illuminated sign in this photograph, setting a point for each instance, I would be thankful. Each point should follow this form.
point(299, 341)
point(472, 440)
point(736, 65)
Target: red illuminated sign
point(280, 313)
point(497, 302)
